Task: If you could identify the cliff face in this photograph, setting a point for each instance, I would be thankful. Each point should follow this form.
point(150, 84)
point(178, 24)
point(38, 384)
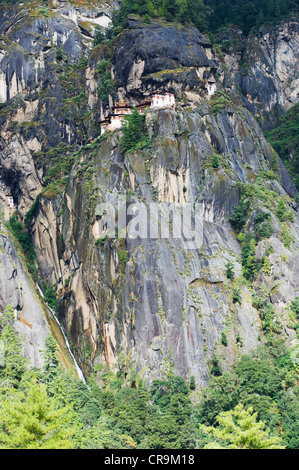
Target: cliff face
point(15, 290)
point(33, 319)
point(152, 297)
point(146, 300)
point(264, 68)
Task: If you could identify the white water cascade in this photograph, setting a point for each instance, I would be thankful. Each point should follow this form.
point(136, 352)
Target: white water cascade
point(79, 371)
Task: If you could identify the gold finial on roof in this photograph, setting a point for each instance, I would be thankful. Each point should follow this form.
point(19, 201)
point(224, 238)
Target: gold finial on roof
point(122, 102)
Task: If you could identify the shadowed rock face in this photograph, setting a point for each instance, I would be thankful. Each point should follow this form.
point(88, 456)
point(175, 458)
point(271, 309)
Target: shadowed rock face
point(148, 298)
point(155, 48)
point(265, 68)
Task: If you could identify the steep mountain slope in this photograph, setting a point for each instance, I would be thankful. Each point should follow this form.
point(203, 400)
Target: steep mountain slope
point(147, 301)
point(34, 321)
point(264, 67)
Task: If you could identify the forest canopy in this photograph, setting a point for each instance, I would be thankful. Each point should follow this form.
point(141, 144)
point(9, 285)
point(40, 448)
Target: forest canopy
point(209, 15)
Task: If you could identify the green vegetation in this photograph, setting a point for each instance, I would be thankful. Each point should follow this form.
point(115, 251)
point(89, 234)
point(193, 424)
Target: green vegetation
point(182, 11)
point(207, 15)
point(239, 216)
point(223, 339)
point(265, 381)
point(238, 429)
point(229, 270)
point(295, 306)
point(215, 161)
point(257, 204)
point(134, 135)
point(285, 140)
point(50, 408)
point(14, 363)
point(249, 261)
point(246, 15)
point(32, 212)
point(30, 419)
point(237, 298)
point(282, 211)
point(294, 315)
point(122, 258)
point(51, 297)
point(286, 236)
point(99, 37)
point(219, 101)
point(262, 225)
point(107, 86)
point(23, 237)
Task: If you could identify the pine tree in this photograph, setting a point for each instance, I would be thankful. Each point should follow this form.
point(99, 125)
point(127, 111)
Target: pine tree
point(7, 317)
point(14, 362)
point(238, 429)
point(29, 419)
point(132, 131)
point(50, 357)
point(260, 19)
point(229, 271)
point(183, 14)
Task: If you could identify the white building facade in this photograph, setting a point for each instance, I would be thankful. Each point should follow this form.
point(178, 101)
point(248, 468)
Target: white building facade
point(162, 99)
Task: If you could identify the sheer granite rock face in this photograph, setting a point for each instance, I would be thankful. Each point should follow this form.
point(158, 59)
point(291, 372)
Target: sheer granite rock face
point(148, 299)
point(153, 50)
point(15, 290)
point(153, 298)
point(265, 68)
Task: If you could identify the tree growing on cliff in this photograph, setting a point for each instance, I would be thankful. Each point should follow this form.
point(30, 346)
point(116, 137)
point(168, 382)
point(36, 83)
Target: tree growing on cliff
point(14, 362)
point(134, 137)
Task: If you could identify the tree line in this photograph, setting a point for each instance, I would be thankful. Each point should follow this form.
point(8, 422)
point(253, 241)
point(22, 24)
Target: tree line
point(49, 408)
point(208, 15)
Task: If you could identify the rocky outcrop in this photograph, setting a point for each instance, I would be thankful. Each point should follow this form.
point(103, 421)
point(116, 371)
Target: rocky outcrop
point(18, 172)
point(264, 67)
point(16, 290)
point(34, 321)
point(155, 53)
point(39, 109)
point(33, 34)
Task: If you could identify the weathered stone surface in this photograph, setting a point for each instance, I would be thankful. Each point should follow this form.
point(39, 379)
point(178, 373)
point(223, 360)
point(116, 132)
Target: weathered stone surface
point(267, 75)
point(143, 51)
point(165, 299)
point(15, 290)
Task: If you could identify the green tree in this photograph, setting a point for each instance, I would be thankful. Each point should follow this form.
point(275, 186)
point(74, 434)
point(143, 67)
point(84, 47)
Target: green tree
point(281, 211)
point(133, 132)
point(7, 317)
point(295, 306)
point(50, 355)
point(29, 419)
point(192, 384)
point(223, 339)
point(229, 270)
point(239, 216)
point(14, 362)
point(238, 429)
point(102, 435)
point(222, 394)
point(215, 161)
point(248, 258)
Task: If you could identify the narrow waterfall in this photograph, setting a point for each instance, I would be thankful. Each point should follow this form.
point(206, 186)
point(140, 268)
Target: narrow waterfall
point(79, 371)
